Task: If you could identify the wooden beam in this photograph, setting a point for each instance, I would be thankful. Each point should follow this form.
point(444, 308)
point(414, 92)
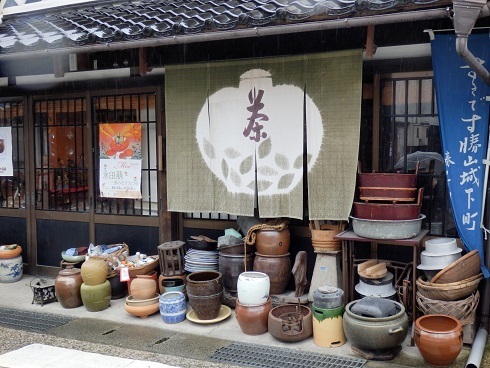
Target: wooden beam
point(370, 46)
point(142, 62)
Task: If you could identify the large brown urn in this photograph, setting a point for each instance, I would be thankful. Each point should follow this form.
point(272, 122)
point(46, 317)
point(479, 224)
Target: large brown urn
point(67, 287)
point(253, 319)
point(272, 242)
point(277, 267)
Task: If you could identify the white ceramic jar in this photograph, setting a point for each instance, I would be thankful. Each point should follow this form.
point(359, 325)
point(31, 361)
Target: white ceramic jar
point(11, 269)
point(253, 288)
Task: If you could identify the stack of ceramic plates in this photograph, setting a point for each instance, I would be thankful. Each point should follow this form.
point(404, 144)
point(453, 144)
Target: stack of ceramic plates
point(201, 260)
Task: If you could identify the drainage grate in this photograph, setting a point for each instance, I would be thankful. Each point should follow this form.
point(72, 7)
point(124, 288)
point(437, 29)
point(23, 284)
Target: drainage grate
point(254, 355)
point(32, 321)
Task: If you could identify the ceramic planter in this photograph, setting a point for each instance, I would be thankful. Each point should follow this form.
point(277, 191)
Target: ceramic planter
point(67, 288)
point(11, 269)
point(272, 242)
point(142, 287)
point(277, 267)
point(205, 292)
point(253, 287)
point(253, 319)
point(439, 338)
point(290, 323)
point(172, 307)
point(96, 297)
point(94, 271)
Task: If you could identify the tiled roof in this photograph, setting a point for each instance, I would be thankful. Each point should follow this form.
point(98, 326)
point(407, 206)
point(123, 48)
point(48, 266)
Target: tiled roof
point(130, 22)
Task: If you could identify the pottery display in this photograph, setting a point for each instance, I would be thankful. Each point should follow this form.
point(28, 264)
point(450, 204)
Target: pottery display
point(67, 287)
point(94, 271)
point(277, 267)
point(96, 297)
point(172, 307)
point(253, 287)
point(328, 330)
point(142, 311)
point(290, 323)
point(231, 266)
point(272, 242)
point(11, 269)
point(205, 293)
point(370, 332)
point(142, 287)
point(439, 338)
point(253, 319)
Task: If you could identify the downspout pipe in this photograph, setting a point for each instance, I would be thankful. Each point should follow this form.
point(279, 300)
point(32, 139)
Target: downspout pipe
point(466, 12)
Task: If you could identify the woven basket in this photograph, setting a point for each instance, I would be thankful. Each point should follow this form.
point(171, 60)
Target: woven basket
point(461, 269)
point(144, 269)
point(464, 310)
point(108, 257)
point(451, 291)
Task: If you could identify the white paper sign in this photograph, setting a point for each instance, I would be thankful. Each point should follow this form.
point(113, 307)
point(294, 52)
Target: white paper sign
point(6, 163)
point(120, 178)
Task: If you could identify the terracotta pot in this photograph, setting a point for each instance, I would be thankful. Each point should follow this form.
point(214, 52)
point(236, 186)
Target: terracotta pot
point(290, 323)
point(272, 242)
point(11, 269)
point(277, 267)
point(94, 271)
point(142, 311)
point(231, 266)
point(67, 288)
point(253, 319)
point(205, 292)
point(143, 287)
point(96, 297)
point(10, 253)
point(439, 338)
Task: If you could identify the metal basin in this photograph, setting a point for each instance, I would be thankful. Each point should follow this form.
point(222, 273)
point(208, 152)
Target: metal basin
point(387, 229)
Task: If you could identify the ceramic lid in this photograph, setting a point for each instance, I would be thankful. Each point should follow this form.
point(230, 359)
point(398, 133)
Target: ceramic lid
point(69, 271)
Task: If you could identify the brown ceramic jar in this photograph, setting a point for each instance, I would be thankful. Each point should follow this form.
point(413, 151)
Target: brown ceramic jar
point(277, 267)
point(67, 287)
point(439, 338)
point(253, 319)
point(272, 242)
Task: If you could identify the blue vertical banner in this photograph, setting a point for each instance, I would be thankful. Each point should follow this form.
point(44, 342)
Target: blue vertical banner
point(463, 119)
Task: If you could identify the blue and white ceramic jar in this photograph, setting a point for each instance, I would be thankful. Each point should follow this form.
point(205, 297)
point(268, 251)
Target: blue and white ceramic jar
point(11, 269)
point(172, 307)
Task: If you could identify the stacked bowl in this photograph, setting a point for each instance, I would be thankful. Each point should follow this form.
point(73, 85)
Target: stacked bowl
point(438, 253)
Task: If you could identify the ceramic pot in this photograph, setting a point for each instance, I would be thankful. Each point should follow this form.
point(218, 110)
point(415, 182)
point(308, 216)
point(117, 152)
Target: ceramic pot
point(133, 302)
point(172, 307)
point(253, 319)
point(205, 293)
point(328, 330)
point(328, 297)
point(439, 338)
point(253, 287)
point(277, 267)
point(119, 289)
point(67, 287)
point(372, 333)
point(290, 323)
point(143, 287)
point(204, 283)
point(231, 266)
point(11, 269)
point(142, 311)
point(10, 253)
point(96, 297)
point(272, 242)
point(178, 284)
point(94, 271)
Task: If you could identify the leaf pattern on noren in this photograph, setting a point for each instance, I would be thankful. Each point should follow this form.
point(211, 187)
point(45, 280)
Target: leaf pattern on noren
point(308, 158)
point(263, 185)
point(251, 185)
point(231, 152)
point(235, 178)
point(298, 163)
point(265, 148)
point(266, 171)
point(209, 149)
point(246, 165)
point(282, 161)
point(224, 168)
point(285, 181)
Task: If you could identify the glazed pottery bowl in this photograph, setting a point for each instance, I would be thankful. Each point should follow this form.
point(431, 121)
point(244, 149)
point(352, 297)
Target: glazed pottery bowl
point(253, 287)
point(142, 311)
point(439, 338)
point(141, 302)
point(73, 259)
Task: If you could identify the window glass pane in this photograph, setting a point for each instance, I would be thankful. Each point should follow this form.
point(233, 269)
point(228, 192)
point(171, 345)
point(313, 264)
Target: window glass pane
point(413, 98)
point(60, 165)
point(426, 97)
point(400, 97)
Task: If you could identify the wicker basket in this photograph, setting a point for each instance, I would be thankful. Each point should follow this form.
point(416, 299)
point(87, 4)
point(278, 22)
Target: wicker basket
point(108, 257)
point(143, 269)
point(464, 310)
point(461, 269)
point(450, 291)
